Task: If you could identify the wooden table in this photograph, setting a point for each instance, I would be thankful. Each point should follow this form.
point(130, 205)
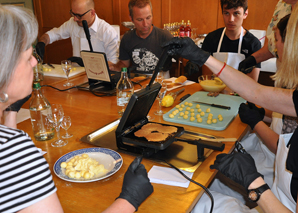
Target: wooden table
point(89, 113)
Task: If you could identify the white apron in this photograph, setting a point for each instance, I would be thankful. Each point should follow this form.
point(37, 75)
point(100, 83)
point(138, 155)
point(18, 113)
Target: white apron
point(231, 59)
point(282, 183)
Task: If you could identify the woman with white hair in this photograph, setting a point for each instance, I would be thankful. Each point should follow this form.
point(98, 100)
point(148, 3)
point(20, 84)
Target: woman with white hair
point(26, 181)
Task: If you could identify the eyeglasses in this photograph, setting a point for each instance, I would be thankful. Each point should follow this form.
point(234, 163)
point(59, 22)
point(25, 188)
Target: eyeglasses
point(79, 16)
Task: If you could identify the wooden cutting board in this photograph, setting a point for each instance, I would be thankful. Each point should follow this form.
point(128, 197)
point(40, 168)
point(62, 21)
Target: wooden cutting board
point(221, 99)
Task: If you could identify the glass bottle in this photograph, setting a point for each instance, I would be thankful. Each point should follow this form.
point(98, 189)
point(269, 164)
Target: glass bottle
point(188, 29)
point(39, 108)
point(38, 69)
point(124, 91)
point(182, 29)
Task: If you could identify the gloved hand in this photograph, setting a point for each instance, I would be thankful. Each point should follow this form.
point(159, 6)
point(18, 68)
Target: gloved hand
point(186, 48)
point(77, 60)
point(247, 65)
point(237, 166)
point(250, 114)
point(40, 46)
point(16, 106)
point(136, 186)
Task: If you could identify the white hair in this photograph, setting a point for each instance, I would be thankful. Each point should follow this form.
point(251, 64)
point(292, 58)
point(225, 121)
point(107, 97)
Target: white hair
point(18, 30)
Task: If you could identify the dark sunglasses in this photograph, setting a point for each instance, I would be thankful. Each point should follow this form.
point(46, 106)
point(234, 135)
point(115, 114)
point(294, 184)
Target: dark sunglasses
point(79, 16)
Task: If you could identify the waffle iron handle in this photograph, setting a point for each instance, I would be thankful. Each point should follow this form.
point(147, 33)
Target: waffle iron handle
point(163, 58)
point(201, 144)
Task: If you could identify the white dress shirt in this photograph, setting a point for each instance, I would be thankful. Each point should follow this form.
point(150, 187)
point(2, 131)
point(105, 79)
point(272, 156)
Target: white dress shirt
point(104, 38)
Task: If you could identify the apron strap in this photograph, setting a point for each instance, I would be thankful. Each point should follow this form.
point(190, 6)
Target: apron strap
point(240, 40)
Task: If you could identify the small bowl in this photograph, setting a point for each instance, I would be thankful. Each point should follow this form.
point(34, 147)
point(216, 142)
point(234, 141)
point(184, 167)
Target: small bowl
point(211, 83)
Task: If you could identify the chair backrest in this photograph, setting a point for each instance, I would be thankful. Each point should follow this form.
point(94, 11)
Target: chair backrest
point(260, 34)
point(117, 28)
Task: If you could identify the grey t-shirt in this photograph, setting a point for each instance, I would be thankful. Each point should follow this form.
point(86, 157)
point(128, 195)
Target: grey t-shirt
point(144, 54)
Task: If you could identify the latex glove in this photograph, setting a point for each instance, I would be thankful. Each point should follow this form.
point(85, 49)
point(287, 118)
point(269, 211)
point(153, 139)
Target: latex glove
point(250, 114)
point(77, 60)
point(136, 186)
point(40, 46)
point(237, 166)
point(16, 106)
point(186, 48)
point(247, 65)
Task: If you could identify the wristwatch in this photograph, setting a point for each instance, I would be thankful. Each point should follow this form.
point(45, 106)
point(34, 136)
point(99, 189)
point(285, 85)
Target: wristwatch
point(255, 194)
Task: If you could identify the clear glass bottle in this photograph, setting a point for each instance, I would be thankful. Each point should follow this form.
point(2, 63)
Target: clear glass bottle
point(188, 29)
point(38, 69)
point(39, 108)
point(124, 91)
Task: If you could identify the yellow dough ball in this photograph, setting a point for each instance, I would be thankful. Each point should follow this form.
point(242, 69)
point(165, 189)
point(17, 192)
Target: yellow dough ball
point(180, 109)
point(87, 175)
point(78, 175)
point(178, 106)
point(202, 113)
point(192, 118)
point(220, 119)
point(200, 110)
point(182, 105)
point(186, 103)
point(209, 121)
point(198, 106)
point(190, 104)
point(214, 120)
point(186, 112)
point(192, 110)
point(171, 116)
point(71, 174)
point(187, 108)
point(174, 113)
point(63, 165)
point(192, 114)
point(181, 113)
point(199, 120)
point(208, 110)
point(198, 116)
point(219, 116)
point(185, 116)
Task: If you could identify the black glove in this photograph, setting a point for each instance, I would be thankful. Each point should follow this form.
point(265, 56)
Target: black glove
point(250, 114)
point(186, 48)
point(77, 60)
point(247, 65)
point(16, 106)
point(40, 49)
point(136, 186)
point(237, 166)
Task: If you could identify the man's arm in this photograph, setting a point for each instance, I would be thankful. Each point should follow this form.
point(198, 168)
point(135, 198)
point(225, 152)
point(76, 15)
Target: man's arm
point(45, 38)
point(119, 65)
point(254, 74)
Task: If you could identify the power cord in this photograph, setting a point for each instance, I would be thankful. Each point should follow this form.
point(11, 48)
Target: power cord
point(206, 189)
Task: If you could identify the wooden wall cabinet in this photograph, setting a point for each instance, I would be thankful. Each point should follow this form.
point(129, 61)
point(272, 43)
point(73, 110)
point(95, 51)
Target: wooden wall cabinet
point(205, 15)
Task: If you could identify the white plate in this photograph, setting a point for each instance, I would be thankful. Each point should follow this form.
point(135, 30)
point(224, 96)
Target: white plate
point(111, 160)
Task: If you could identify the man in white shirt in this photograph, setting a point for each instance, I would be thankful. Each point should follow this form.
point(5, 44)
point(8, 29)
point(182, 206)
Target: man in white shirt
point(104, 37)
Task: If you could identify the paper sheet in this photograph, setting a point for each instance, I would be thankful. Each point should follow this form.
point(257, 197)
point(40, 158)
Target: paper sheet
point(168, 176)
point(22, 115)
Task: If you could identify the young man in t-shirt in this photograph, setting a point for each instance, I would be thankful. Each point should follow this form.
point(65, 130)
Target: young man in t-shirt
point(140, 48)
point(232, 43)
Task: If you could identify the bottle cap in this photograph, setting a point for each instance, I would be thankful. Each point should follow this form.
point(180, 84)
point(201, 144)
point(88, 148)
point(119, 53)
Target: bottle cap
point(36, 85)
point(124, 69)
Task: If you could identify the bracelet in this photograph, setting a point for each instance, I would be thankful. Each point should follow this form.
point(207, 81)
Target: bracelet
point(221, 69)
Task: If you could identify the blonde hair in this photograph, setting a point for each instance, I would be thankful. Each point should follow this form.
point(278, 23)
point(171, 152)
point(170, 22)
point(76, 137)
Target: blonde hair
point(287, 74)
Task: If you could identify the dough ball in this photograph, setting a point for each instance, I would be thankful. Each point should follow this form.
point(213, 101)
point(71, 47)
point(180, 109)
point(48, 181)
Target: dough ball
point(185, 116)
point(63, 165)
point(208, 110)
point(198, 106)
point(192, 118)
point(209, 121)
point(199, 120)
point(214, 120)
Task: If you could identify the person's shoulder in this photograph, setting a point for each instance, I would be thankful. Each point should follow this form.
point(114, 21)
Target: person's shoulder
point(215, 34)
point(7, 134)
point(165, 34)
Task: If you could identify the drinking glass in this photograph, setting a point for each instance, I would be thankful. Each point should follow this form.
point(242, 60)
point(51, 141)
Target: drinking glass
point(66, 66)
point(55, 116)
point(161, 94)
point(65, 124)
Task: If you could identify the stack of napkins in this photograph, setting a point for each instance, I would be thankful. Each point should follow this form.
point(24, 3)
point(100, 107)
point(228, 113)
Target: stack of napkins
point(168, 176)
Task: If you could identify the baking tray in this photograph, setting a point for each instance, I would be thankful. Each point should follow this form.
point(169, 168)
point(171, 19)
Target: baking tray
point(221, 99)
